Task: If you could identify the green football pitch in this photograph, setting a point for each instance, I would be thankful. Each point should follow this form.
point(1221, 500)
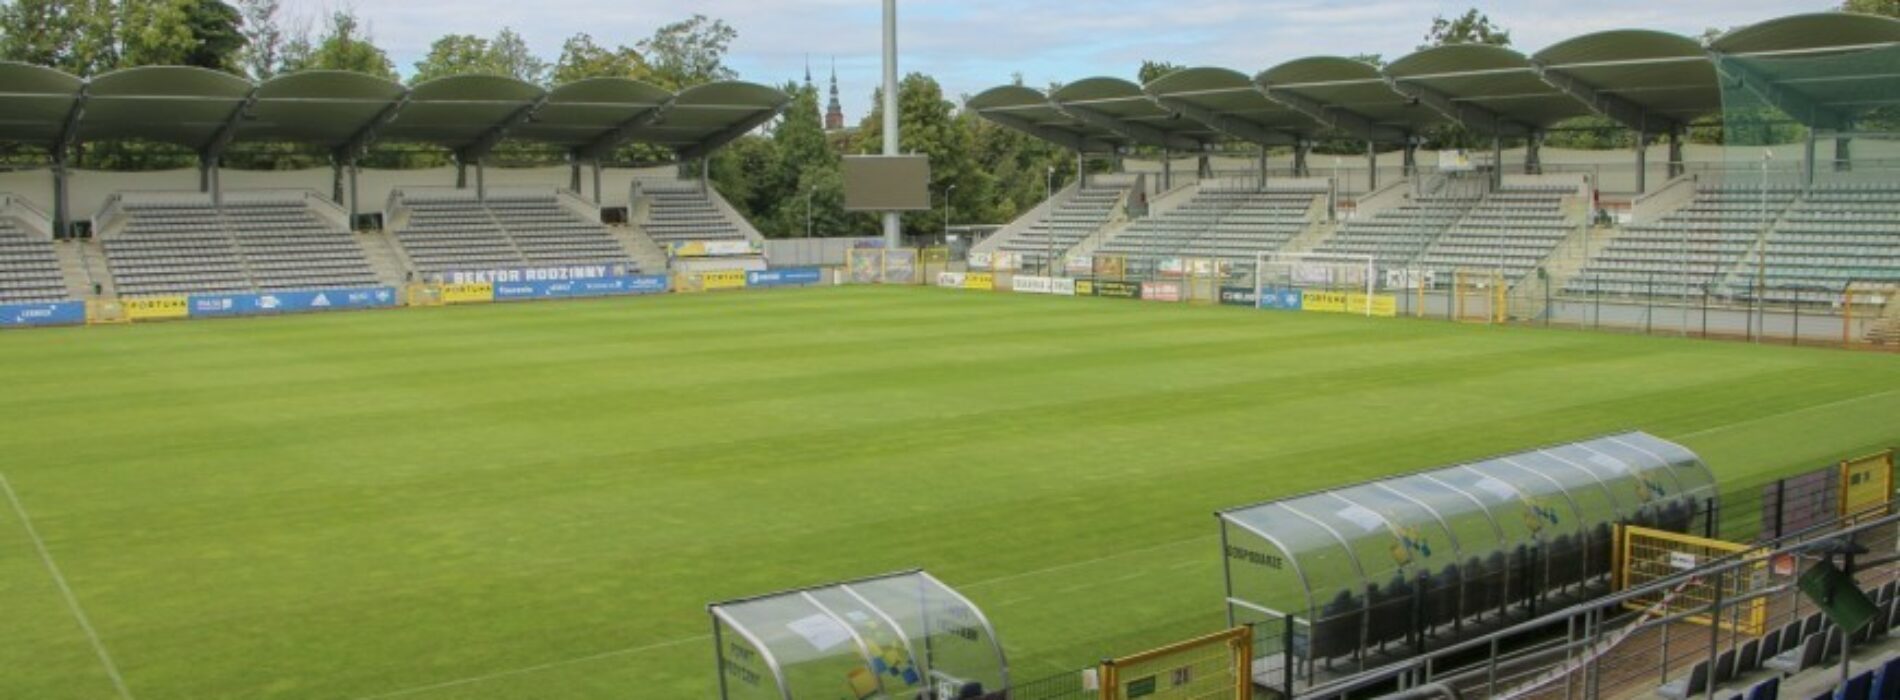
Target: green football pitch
point(538, 500)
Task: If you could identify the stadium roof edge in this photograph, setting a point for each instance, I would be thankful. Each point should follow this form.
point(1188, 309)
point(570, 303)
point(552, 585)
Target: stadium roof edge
point(199, 109)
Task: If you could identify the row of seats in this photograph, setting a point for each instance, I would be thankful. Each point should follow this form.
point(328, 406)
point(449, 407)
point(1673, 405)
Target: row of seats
point(29, 267)
point(189, 244)
point(1395, 236)
point(448, 231)
point(1064, 225)
point(1511, 231)
point(1228, 224)
point(1795, 647)
point(676, 214)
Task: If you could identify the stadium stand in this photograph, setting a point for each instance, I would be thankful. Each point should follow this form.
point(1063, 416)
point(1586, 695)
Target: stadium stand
point(1512, 230)
point(1221, 223)
point(29, 267)
point(1066, 224)
point(1686, 252)
point(681, 211)
point(174, 243)
point(1395, 236)
point(443, 230)
point(1835, 234)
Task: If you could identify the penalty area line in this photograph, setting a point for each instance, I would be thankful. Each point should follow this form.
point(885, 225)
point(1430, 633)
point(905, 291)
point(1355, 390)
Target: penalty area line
point(66, 591)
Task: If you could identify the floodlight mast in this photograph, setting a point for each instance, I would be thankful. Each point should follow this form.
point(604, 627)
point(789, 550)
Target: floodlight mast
point(893, 224)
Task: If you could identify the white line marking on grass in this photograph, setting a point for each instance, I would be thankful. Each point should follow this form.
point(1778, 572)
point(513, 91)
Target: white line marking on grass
point(1785, 414)
point(1085, 562)
point(72, 602)
point(535, 668)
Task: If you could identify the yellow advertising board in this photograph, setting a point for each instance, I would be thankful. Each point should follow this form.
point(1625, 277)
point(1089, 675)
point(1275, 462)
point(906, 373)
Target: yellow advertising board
point(1866, 482)
point(1324, 302)
point(1085, 288)
point(712, 280)
point(157, 308)
point(477, 293)
point(984, 281)
point(1384, 305)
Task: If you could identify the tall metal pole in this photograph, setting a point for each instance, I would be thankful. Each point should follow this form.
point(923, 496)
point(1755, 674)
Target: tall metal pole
point(1049, 237)
point(893, 224)
point(808, 195)
point(947, 191)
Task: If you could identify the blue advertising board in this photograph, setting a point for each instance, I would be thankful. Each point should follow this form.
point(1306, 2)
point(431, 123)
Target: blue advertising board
point(48, 314)
point(568, 289)
point(783, 277)
point(214, 305)
point(1280, 299)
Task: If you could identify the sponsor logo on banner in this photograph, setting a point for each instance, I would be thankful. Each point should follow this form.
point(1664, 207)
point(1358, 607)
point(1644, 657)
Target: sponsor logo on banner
point(1062, 287)
point(1080, 264)
point(1085, 288)
point(155, 308)
point(211, 305)
point(533, 274)
point(610, 286)
point(469, 293)
point(1028, 284)
point(980, 260)
point(982, 281)
point(712, 280)
point(1161, 291)
point(950, 279)
point(1117, 290)
point(1171, 267)
point(1281, 299)
point(1410, 279)
point(1385, 305)
point(785, 277)
point(1239, 296)
point(51, 314)
point(1324, 302)
point(714, 249)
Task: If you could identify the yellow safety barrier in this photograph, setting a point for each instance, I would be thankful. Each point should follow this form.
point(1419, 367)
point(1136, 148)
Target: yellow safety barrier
point(714, 280)
point(985, 281)
point(421, 295)
point(156, 308)
point(1866, 483)
point(1219, 665)
point(1645, 555)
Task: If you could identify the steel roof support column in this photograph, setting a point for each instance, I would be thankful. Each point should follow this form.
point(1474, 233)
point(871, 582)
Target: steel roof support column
point(481, 181)
point(1843, 154)
point(1081, 173)
point(1808, 152)
point(60, 197)
point(1411, 155)
point(1372, 166)
point(63, 145)
point(461, 172)
point(573, 173)
point(355, 211)
point(1204, 168)
point(596, 164)
point(1497, 161)
point(336, 178)
point(1263, 168)
point(1534, 154)
point(1642, 162)
point(1676, 167)
point(1300, 150)
point(1167, 170)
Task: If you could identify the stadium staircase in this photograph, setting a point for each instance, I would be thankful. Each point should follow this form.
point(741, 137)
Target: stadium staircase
point(1061, 224)
point(675, 211)
point(1397, 235)
point(1834, 234)
point(1223, 222)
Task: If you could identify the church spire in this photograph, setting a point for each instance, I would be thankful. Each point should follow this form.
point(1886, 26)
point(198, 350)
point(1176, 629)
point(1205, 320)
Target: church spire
point(808, 84)
point(834, 111)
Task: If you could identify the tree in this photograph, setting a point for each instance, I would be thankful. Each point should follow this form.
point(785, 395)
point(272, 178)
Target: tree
point(1152, 70)
point(217, 37)
point(690, 52)
point(454, 54)
point(40, 32)
point(263, 38)
point(581, 58)
point(1472, 27)
point(155, 32)
point(928, 125)
point(347, 45)
point(509, 55)
point(1885, 8)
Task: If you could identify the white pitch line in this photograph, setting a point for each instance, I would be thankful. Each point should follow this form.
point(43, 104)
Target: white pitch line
point(72, 602)
point(1085, 562)
point(535, 668)
point(1785, 414)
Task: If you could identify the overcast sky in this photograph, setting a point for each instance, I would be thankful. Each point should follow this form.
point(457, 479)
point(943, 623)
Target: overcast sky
point(970, 45)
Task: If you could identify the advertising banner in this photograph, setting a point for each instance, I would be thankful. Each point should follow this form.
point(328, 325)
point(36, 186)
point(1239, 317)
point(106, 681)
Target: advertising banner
point(1110, 267)
point(784, 277)
point(215, 305)
point(157, 308)
point(950, 279)
point(534, 274)
point(468, 293)
point(1171, 267)
point(1080, 264)
point(49, 314)
point(611, 286)
point(1324, 302)
point(1281, 299)
point(981, 281)
point(1162, 291)
point(1062, 287)
point(1239, 296)
point(715, 249)
point(1117, 290)
point(1385, 305)
point(866, 265)
point(1085, 288)
point(980, 261)
point(900, 266)
point(714, 280)
point(1029, 284)
point(1410, 279)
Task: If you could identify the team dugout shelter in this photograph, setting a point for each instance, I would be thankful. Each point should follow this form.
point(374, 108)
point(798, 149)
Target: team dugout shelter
point(899, 635)
point(1826, 71)
point(347, 113)
point(1327, 578)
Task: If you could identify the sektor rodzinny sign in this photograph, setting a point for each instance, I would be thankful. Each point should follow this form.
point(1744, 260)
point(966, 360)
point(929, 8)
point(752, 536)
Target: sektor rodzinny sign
point(535, 274)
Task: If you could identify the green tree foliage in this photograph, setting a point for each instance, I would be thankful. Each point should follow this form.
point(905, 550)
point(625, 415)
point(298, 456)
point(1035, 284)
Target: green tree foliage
point(88, 37)
point(928, 125)
point(346, 44)
point(1151, 70)
point(264, 38)
point(40, 32)
point(1886, 8)
point(217, 39)
point(582, 58)
point(466, 54)
point(690, 52)
point(1472, 27)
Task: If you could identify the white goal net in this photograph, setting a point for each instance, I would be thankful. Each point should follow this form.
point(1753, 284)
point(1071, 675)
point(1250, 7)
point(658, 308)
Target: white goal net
point(1319, 281)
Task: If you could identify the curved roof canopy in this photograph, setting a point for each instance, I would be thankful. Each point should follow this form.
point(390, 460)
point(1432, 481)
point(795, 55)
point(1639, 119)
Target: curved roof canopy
point(1650, 81)
point(206, 110)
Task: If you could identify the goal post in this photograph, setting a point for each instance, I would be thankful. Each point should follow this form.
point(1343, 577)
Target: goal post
point(1334, 282)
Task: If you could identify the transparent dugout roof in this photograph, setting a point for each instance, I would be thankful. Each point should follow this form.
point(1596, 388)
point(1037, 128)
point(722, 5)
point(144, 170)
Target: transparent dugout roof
point(901, 635)
point(1294, 556)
